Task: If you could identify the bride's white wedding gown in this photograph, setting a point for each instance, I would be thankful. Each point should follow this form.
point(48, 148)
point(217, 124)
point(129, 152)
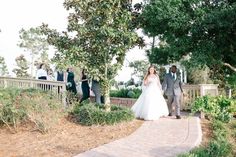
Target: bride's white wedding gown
point(151, 104)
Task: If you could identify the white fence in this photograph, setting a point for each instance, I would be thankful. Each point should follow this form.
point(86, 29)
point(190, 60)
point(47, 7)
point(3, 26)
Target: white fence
point(194, 91)
point(59, 89)
point(56, 87)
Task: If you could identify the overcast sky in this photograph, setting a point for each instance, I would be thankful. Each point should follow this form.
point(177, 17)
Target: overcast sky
point(18, 14)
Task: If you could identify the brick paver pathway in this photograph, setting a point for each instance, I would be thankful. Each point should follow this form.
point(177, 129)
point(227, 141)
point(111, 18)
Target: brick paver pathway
point(165, 137)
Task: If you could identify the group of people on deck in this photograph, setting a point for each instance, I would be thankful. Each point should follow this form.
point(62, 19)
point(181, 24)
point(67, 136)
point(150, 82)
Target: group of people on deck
point(69, 78)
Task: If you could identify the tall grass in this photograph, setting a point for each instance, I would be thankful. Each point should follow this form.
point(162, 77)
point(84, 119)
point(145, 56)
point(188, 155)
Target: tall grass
point(19, 107)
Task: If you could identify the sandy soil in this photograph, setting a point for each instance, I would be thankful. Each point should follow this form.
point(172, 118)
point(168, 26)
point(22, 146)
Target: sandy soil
point(65, 140)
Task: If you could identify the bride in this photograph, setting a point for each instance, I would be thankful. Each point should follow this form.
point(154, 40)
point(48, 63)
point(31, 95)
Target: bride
point(151, 104)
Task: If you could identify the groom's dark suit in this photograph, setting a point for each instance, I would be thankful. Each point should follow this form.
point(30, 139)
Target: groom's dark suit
point(172, 86)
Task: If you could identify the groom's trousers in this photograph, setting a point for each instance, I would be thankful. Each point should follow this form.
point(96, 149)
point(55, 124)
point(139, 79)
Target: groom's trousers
point(174, 99)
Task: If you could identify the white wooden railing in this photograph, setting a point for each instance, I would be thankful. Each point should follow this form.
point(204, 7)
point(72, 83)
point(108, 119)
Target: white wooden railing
point(56, 87)
point(191, 92)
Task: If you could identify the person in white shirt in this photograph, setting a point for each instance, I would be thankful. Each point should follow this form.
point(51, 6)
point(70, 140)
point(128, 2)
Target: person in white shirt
point(41, 72)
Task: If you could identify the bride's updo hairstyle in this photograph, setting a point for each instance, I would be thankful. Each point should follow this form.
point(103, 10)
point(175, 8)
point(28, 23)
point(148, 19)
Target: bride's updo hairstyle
point(148, 73)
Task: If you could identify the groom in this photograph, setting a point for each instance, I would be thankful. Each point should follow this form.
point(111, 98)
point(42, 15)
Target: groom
point(172, 86)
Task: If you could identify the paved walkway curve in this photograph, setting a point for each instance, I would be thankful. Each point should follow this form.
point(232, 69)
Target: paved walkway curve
point(166, 137)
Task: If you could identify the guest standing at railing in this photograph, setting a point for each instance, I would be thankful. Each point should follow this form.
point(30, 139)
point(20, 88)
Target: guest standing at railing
point(41, 72)
point(85, 86)
point(71, 86)
point(50, 76)
point(59, 76)
point(42, 75)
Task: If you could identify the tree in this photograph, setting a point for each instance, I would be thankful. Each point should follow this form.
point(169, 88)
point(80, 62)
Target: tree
point(43, 58)
point(35, 42)
point(140, 68)
point(202, 30)
point(22, 65)
point(98, 37)
point(3, 67)
point(199, 76)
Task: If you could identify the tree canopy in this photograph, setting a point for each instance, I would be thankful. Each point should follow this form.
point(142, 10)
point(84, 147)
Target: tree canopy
point(22, 67)
point(140, 68)
point(203, 32)
point(34, 42)
point(3, 67)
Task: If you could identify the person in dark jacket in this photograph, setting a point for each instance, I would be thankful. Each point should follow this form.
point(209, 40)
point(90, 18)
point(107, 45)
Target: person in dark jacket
point(85, 86)
point(71, 86)
point(59, 76)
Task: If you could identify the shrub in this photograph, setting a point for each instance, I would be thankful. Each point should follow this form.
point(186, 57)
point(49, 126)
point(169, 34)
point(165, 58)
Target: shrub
point(219, 146)
point(126, 93)
point(90, 114)
point(197, 152)
point(10, 114)
point(21, 106)
point(220, 107)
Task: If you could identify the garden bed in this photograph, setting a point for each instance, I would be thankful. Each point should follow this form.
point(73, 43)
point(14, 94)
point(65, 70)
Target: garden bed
point(34, 123)
point(63, 140)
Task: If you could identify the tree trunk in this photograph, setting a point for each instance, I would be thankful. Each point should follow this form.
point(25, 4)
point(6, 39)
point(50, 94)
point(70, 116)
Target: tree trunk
point(106, 82)
point(106, 87)
point(107, 99)
point(106, 93)
point(153, 42)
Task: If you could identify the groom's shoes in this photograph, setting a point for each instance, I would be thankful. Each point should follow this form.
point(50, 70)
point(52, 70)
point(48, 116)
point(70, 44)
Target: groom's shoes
point(169, 114)
point(178, 117)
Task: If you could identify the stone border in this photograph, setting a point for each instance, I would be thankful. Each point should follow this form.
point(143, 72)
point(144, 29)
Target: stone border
point(128, 102)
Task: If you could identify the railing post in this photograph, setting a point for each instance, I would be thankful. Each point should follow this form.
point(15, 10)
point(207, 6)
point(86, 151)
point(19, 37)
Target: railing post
point(5, 83)
point(31, 84)
point(203, 92)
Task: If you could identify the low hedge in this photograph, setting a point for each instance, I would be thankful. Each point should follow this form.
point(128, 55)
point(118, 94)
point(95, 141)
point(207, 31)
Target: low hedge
point(91, 114)
point(126, 93)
